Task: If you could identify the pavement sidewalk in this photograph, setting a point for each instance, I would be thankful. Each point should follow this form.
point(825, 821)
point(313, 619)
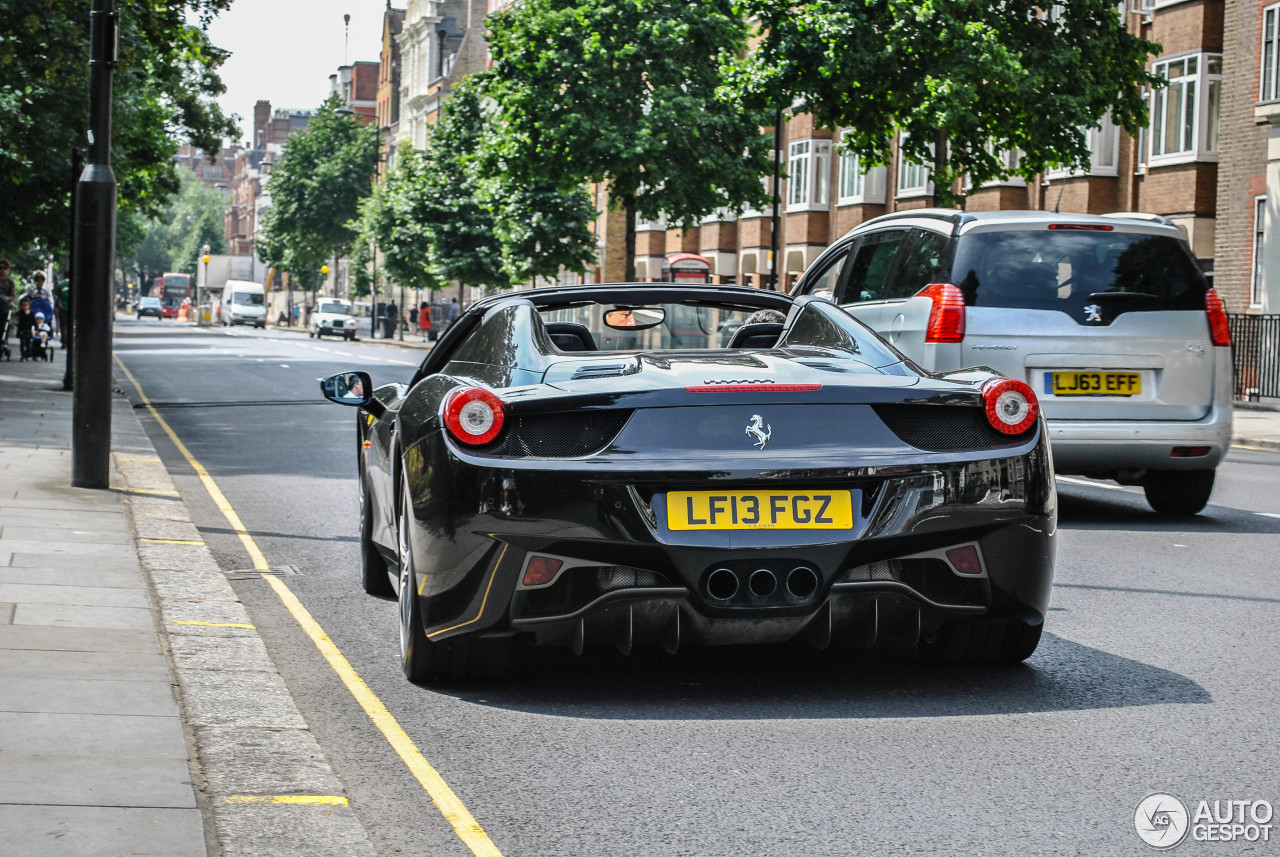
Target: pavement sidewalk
point(140, 713)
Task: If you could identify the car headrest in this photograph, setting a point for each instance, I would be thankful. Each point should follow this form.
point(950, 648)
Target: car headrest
point(761, 335)
point(570, 336)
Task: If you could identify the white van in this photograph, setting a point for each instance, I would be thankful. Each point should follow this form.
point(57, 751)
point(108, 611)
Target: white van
point(244, 302)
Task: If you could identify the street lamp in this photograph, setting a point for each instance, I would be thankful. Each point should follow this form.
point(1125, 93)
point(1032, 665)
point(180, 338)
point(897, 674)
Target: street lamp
point(202, 294)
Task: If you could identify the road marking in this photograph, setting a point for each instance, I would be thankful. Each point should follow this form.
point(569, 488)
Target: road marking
point(1252, 448)
point(213, 624)
point(296, 800)
point(463, 823)
point(170, 542)
point(1090, 484)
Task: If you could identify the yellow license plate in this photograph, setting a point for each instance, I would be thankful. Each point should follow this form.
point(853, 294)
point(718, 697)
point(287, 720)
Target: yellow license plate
point(759, 510)
point(1093, 383)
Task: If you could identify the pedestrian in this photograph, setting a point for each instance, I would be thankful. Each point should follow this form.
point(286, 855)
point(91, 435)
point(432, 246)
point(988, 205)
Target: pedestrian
point(424, 320)
point(7, 288)
point(392, 314)
point(26, 323)
point(62, 309)
point(453, 312)
point(38, 290)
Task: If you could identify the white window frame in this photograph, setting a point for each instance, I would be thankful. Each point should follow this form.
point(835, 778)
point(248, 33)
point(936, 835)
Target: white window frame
point(863, 186)
point(1104, 146)
point(1257, 274)
point(921, 176)
point(1193, 92)
point(767, 182)
point(808, 174)
point(1269, 79)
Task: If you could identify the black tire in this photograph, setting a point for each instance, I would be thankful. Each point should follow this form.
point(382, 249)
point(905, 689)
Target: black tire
point(311, 333)
point(977, 642)
point(425, 661)
point(373, 568)
point(1178, 492)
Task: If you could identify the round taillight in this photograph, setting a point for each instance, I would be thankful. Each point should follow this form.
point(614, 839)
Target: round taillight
point(1011, 405)
point(473, 416)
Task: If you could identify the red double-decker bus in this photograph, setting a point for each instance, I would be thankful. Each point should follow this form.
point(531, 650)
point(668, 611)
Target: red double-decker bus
point(172, 290)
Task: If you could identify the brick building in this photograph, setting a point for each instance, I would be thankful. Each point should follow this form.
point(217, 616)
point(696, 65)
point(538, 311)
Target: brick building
point(247, 178)
point(389, 63)
point(215, 172)
point(1249, 175)
point(357, 85)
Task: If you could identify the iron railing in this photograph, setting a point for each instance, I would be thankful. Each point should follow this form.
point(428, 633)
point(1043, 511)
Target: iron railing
point(1255, 352)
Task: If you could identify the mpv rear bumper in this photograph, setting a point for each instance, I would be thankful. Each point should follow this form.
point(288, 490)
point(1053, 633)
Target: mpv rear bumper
point(1096, 447)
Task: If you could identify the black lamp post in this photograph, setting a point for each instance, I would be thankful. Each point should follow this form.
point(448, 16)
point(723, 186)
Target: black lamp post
point(95, 262)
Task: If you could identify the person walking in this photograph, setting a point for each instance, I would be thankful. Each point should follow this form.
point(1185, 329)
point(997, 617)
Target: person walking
point(392, 315)
point(424, 321)
point(453, 312)
point(26, 324)
point(7, 288)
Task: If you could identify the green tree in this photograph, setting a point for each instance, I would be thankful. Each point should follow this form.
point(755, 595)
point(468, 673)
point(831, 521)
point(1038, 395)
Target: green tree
point(316, 191)
point(387, 220)
point(965, 81)
point(165, 88)
point(172, 240)
point(628, 93)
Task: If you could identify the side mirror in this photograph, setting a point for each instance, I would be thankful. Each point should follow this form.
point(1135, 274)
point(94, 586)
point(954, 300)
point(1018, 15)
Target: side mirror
point(634, 318)
point(348, 388)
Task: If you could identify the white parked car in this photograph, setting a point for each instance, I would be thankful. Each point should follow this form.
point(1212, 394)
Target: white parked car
point(332, 317)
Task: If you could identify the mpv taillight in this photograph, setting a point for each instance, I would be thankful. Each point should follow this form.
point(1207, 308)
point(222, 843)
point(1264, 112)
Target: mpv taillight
point(946, 319)
point(1219, 330)
point(473, 415)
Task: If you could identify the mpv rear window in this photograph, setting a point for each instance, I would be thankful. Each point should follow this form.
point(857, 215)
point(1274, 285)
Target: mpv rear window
point(1091, 276)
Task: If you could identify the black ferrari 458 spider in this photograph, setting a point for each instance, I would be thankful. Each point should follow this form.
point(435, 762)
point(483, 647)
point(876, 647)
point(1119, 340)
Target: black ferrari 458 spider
point(663, 464)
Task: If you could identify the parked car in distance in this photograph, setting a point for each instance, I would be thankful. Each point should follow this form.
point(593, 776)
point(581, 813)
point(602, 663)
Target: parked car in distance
point(150, 306)
point(1108, 318)
point(332, 317)
point(600, 466)
point(244, 302)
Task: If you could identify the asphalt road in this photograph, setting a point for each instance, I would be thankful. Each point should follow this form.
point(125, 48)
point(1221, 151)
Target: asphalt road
point(1157, 672)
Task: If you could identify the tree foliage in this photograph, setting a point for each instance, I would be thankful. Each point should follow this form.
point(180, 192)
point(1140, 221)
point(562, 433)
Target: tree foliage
point(316, 191)
point(440, 217)
point(173, 239)
point(164, 89)
point(964, 80)
point(627, 93)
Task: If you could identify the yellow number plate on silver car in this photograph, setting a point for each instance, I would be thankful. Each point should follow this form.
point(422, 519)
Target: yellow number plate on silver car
point(1093, 383)
point(759, 510)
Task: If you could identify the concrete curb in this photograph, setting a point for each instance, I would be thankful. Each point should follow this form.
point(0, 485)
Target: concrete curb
point(263, 783)
point(1260, 443)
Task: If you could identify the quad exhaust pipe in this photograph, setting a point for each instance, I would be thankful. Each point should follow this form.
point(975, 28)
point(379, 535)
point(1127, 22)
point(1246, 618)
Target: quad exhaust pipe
point(722, 584)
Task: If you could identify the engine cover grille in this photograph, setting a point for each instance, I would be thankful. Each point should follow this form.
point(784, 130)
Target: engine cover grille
point(561, 435)
point(944, 428)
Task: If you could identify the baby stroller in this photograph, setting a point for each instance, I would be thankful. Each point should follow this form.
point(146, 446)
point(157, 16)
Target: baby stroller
point(41, 348)
point(4, 329)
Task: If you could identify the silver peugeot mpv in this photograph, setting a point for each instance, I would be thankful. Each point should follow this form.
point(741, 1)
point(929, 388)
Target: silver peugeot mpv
point(1108, 318)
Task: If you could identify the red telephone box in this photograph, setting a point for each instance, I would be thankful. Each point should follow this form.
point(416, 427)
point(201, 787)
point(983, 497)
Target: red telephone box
point(686, 268)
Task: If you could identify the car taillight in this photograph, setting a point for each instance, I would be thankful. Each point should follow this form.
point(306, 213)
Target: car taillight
point(1011, 405)
point(1219, 330)
point(474, 416)
point(946, 319)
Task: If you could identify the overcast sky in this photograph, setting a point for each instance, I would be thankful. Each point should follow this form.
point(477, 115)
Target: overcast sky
point(285, 50)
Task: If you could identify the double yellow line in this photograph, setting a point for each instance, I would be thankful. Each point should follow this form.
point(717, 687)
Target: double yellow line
point(463, 823)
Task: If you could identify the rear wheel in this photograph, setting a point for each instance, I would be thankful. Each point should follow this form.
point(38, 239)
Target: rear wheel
point(1178, 492)
point(979, 642)
point(373, 568)
point(423, 660)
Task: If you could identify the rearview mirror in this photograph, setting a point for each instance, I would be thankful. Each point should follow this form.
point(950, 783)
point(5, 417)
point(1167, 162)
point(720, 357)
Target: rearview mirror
point(634, 318)
point(348, 388)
